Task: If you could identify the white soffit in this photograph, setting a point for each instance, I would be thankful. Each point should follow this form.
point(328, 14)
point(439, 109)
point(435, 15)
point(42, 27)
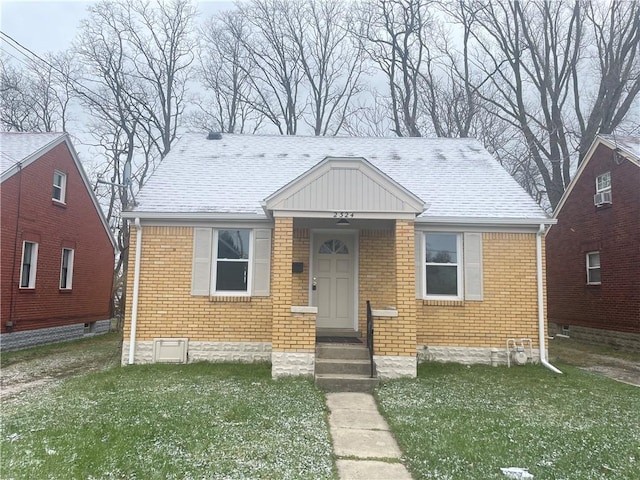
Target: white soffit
point(345, 184)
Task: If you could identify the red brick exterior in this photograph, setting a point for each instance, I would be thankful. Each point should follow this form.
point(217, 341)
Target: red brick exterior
point(54, 226)
point(614, 231)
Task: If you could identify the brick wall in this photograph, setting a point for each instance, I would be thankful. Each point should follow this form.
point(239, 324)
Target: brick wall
point(614, 231)
point(376, 272)
point(291, 333)
point(75, 224)
point(166, 307)
point(300, 281)
point(397, 336)
point(509, 308)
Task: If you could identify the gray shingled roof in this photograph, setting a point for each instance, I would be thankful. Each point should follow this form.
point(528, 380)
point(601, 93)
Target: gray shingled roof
point(18, 146)
point(233, 175)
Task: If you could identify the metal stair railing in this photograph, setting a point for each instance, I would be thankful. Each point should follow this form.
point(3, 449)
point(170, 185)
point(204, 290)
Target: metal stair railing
point(370, 335)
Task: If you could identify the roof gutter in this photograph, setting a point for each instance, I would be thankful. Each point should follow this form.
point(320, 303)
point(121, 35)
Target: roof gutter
point(487, 221)
point(539, 271)
point(195, 216)
point(136, 288)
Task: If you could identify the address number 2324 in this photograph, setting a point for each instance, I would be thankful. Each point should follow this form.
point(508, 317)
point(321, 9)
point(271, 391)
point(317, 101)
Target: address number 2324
point(342, 214)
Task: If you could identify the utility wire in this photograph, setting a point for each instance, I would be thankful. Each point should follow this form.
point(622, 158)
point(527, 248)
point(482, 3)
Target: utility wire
point(19, 60)
point(20, 48)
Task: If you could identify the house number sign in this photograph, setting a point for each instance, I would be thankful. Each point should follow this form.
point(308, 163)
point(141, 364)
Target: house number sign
point(342, 214)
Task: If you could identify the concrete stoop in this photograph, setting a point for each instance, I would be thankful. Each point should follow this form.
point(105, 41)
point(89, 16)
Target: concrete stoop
point(344, 368)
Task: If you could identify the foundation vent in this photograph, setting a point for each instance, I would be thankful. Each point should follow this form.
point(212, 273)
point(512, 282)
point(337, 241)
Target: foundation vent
point(170, 350)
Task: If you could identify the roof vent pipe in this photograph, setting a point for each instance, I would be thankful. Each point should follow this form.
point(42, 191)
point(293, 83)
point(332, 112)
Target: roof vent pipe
point(214, 136)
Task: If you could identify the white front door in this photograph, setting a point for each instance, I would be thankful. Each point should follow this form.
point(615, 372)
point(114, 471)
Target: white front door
point(333, 272)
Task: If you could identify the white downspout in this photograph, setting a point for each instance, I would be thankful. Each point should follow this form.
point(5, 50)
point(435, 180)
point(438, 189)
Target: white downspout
point(136, 285)
point(541, 336)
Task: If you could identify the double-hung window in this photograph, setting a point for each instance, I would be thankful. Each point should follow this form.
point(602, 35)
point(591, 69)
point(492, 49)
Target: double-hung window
point(232, 261)
point(603, 183)
point(449, 266)
point(603, 190)
point(59, 186)
point(443, 265)
point(593, 268)
point(29, 264)
point(66, 269)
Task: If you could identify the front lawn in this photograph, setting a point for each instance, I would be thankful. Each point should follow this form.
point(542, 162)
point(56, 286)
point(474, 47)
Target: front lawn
point(458, 422)
point(166, 421)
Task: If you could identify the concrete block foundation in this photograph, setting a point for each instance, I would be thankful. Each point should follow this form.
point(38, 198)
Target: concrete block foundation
point(245, 352)
point(46, 336)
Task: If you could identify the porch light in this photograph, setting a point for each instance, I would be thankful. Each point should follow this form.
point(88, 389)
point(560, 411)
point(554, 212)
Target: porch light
point(343, 222)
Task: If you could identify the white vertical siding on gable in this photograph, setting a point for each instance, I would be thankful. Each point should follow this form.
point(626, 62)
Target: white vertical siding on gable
point(344, 189)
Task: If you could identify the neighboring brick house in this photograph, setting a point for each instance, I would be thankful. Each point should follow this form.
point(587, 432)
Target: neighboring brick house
point(593, 253)
point(57, 249)
point(243, 247)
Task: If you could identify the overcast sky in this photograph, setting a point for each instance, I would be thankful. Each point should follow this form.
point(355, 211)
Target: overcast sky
point(51, 25)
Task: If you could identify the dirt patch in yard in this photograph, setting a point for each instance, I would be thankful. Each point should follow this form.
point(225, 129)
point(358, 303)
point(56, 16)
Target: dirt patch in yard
point(42, 367)
point(619, 365)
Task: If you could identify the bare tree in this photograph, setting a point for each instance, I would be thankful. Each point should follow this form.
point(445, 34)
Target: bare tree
point(160, 35)
point(459, 109)
point(35, 94)
point(278, 73)
point(105, 91)
point(224, 71)
point(331, 57)
point(369, 117)
point(615, 30)
point(534, 53)
point(397, 34)
point(136, 60)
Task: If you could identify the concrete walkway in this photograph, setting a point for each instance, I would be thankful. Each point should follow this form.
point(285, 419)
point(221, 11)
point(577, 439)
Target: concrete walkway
point(362, 443)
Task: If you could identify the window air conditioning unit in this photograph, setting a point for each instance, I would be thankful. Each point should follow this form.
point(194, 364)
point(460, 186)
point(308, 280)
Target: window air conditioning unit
point(602, 198)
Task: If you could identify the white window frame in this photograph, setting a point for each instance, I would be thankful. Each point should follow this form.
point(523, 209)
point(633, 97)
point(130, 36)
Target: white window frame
point(607, 188)
point(62, 187)
point(214, 266)
point(33, 263)
point(66, 281)
point(459, 267)
point(590, 268)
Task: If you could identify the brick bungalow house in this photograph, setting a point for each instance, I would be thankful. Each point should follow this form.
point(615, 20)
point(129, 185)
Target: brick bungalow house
point(57, 249)
point(243, 247)
point(594, 250)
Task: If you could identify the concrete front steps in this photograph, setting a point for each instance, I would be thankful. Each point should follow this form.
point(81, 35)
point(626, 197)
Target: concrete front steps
point(344, 367)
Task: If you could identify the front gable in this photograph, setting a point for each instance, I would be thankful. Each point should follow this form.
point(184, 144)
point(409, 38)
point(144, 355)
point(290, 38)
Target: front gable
point(344, 186)
point(603, 155)
point(31, 150)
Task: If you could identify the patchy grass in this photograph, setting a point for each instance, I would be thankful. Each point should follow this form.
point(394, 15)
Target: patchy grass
point(106, 347)
point(457, 422)
point(569, 350)
point(44, 366)
point(166, 421)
